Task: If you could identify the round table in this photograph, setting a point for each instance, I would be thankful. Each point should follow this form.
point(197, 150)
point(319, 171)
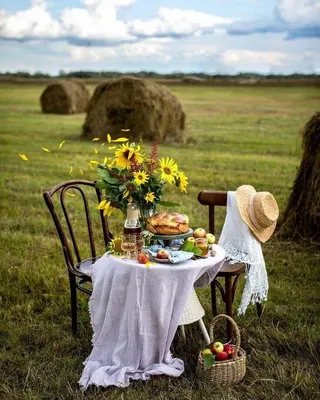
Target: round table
point(135, 312)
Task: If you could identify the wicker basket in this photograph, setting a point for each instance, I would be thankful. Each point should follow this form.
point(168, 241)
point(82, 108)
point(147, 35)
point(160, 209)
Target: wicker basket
point(224, 372)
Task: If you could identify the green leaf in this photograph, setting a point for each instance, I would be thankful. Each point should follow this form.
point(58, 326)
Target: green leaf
point(187, 246)
point(197, 251)
point(169, 204)
point(111, 180)
point(208, 361)
point(100, 184)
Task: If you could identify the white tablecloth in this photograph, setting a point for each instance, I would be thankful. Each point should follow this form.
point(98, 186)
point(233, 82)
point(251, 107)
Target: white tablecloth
point(135, 313)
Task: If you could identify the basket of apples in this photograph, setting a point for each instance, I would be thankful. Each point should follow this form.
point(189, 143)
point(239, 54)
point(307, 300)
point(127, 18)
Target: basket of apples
point(222, 363)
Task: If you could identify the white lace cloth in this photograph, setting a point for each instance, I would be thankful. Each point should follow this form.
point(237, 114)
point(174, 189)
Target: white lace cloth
point(135, 312)
point(241, 245)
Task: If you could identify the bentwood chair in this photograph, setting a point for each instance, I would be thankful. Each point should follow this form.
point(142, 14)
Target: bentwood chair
point(79, 270)
point(231, 273)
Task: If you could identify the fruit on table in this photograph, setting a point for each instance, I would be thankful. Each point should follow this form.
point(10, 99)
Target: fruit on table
point(229, 350)
point(211, 238)
point(190, 239)
point(162, 254)
point(199, 233)
point(217, 347)
point(222, 356)
point(143, 258)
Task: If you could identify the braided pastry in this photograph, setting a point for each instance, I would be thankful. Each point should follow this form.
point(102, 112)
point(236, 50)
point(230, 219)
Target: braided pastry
point(168, 224)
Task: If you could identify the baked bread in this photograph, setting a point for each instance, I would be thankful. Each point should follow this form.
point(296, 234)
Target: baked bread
point(168, 224)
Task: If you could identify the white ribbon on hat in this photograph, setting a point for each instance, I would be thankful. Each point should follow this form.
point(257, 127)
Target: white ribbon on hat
point(251, 213)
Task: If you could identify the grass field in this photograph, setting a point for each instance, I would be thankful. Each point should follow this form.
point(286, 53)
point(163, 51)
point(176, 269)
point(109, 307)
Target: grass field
point(234, 136)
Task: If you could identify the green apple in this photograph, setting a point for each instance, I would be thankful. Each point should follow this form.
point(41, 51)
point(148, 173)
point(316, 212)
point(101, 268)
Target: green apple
point(190, 239)
point(211, 238)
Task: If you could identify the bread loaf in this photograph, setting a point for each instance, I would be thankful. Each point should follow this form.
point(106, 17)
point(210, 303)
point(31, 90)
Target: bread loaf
point(168, 224)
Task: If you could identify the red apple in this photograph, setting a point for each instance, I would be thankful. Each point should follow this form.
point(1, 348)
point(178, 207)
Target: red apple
point(217, 347)
point(222, 356)
point(199, 233)
point(229, 350)
point(162, 254)
point(143, 258)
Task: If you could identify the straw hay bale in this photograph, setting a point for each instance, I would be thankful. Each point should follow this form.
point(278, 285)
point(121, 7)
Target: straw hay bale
point(301, 219)
point(148, 109)
point(65, 97)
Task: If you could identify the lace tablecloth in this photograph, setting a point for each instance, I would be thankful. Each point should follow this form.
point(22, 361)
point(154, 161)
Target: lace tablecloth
point(135, 313)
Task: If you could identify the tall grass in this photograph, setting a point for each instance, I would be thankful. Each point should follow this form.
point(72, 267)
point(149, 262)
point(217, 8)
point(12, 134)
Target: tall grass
point(234, 136)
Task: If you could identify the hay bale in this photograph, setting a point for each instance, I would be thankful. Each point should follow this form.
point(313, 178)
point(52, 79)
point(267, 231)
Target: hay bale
point(65, 97)
point(192, 79)
point(148, 109)
point(301, 218)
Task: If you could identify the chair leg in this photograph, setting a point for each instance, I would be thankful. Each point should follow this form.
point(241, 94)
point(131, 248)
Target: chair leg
point(183, 332)
point(214, 298)
point(73, 292)
point(228, 294)
point(204, 331)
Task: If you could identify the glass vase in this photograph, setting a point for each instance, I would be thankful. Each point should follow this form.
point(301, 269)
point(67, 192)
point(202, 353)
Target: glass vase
point(145, 212)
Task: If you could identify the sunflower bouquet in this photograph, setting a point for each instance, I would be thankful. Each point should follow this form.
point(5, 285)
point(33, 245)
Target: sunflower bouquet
point(132, 175)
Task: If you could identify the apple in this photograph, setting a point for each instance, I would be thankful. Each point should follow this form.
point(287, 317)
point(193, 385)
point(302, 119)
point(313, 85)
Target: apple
point(217, 347)
point(229, 350)
point(162, 254)
point(199, 233)
point(190, 239)
point(206, 352)
point(221, 356)
point(143, 258)
point(211, 238)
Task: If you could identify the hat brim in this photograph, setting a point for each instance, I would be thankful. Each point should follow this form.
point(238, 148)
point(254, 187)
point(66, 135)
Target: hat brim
point(243, 194)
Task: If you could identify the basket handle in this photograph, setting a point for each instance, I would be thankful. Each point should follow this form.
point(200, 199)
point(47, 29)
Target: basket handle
point(235, 330)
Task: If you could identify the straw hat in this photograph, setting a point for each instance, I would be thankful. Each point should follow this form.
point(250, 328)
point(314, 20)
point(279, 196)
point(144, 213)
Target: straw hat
point(259, 210)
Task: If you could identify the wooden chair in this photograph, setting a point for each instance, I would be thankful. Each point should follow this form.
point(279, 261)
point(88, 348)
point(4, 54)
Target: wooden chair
point(78, 272)
point(230, 272)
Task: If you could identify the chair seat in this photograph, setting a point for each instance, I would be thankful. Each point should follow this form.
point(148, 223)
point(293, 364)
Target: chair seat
point(193, 310)
point(85, 266)
point(231, 269)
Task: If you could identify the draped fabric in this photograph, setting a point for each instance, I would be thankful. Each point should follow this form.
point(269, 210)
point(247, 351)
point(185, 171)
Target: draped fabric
point(241, 245)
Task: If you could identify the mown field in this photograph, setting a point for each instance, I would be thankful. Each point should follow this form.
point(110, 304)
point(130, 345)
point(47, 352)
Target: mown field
point(234, 136)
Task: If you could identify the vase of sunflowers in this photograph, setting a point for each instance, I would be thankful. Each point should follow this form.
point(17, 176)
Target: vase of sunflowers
point(132, 175)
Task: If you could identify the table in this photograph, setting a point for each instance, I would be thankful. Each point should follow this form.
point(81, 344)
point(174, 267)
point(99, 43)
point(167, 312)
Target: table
point(135, 313)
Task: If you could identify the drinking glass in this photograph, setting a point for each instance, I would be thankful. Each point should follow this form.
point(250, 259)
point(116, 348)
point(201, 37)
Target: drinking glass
point(129, 245)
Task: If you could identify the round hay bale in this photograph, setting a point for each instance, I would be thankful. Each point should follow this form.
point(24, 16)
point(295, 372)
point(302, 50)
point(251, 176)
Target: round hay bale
point(66, 97)
point(148, 109)
point(301, 219)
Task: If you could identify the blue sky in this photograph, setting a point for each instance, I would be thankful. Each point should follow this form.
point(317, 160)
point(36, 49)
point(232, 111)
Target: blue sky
point(215, 36)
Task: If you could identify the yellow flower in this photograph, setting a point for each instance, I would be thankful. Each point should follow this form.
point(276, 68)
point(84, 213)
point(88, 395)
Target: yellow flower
point(168, 169)
point(24, 157)
point(149, 197)
point(125, 155)
point(140, 177)
point(183, 181)
point(61, 144)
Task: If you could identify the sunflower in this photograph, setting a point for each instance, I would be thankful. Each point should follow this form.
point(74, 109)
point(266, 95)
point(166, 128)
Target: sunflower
point(168, 169)
point(140, 177)
point(149, 197)
point(183, 181)
point(125, 155)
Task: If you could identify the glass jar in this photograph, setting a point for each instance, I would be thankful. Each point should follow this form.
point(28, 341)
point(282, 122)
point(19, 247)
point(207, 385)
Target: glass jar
point(132, 224)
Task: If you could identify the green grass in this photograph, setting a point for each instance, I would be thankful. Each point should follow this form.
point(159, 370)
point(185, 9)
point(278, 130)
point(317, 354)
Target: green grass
point(234, 136)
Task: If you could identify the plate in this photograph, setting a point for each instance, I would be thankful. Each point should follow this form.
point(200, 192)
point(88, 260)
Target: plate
point(172, 237)
point(162, 260)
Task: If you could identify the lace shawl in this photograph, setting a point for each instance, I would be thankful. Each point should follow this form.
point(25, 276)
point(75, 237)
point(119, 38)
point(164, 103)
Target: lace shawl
point(241, 245)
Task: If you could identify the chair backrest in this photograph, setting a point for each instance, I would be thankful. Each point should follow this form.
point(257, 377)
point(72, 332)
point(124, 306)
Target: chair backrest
point(212, 198)
point(60, 191)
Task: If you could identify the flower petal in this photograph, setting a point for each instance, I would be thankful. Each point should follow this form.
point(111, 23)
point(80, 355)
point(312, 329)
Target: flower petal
point(109, 138)
point(102, 144)
point(91, 167)
point(46, 150)
point(61, 144)
point(101, 205)
point(121, 139)
point(95, 139)
point(81, 172)
point(125, 130)
point(71, 169)
point(94, 162)
point(24, 157)
point(96, 151)
point(126, 194)
point(112, 147)
point(71, 194)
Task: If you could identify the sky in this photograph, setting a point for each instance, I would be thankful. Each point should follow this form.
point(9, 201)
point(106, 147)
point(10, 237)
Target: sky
point(211, 36)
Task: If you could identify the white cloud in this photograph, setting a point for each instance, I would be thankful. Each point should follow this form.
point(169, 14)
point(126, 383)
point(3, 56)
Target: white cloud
point(175, 22)
point(300, 12)
point(248, 59)
point(35, 22)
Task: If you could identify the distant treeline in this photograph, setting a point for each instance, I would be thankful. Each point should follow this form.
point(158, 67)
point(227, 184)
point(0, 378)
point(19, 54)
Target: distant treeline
point(155, 75)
